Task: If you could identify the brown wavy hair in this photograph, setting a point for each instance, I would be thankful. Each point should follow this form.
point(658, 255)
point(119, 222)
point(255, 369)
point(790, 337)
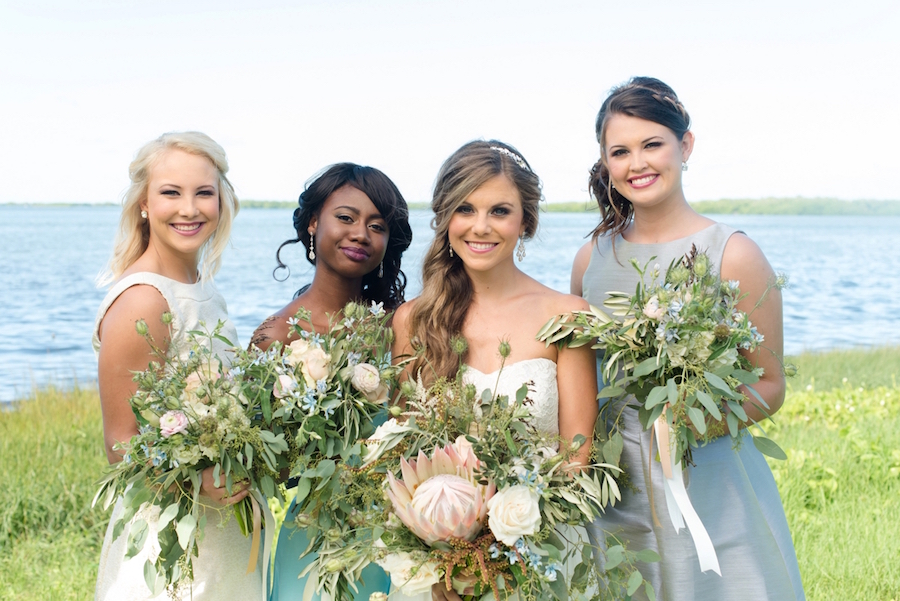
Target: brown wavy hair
point(645, 98)
point(440, 310)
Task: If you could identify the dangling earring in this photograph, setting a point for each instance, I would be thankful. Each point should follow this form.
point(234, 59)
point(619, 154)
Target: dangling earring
point(684, 166)
point(451, 251)
point(143, 214)
point(520, 251)
point(312, 248)
point(381, 270)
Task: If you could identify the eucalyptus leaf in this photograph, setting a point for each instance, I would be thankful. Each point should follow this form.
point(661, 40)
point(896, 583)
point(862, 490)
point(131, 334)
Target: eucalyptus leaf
point(167, 515)
point(136, 538)
point(634, 581)
point(737, 410)
point(709, 404)
point(185, 528)
point(647, 366)
point(614, 556)
point(648, 556)
point(656, 396)
point(697, 419)
point(156, 582)
point(732, 421)
point(610, 392)
point(767, 446)
point(672, 391)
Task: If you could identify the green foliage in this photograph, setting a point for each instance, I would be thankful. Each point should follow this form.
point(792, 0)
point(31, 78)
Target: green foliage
point(51, 454)
point(840, 484)
point(796, 206)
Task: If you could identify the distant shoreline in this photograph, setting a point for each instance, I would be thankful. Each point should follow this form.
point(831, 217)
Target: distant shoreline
point(726, 206)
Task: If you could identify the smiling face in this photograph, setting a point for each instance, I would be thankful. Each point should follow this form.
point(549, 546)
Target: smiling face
point(182, 204)
point(485, 228)
point(644, 160)
point(350, 234)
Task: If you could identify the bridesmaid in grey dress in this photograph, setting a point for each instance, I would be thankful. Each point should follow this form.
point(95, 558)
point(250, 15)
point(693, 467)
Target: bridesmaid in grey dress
point(645, 143)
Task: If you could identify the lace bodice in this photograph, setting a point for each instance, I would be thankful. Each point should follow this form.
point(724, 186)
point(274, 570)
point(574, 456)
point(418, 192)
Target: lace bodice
point(540, 373)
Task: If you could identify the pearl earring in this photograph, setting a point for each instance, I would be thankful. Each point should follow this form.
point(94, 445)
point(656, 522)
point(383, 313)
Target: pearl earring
point(143, 214)
point(312, 248)
point(451, 251)
point(520, 251)
point(381, 270)
point(684, 166)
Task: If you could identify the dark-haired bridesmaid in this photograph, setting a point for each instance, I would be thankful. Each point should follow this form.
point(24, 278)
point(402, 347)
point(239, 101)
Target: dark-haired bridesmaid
point(353, 225)
point(645, 143)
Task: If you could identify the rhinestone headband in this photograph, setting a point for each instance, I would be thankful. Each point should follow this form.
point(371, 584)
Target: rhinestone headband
point(516, 158)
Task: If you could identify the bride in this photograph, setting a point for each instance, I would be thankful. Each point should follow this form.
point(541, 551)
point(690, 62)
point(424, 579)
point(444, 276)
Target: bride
point(486, 205)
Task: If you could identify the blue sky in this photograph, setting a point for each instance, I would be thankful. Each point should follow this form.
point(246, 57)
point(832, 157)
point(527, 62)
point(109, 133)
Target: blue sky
point(788, 98)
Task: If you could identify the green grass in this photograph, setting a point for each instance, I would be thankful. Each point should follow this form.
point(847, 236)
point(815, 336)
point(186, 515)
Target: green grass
point(51, 454)
point(840, 484)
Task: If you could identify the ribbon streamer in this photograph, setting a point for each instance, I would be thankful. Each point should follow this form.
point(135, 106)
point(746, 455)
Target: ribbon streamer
point(677, 501)
point(261, 519)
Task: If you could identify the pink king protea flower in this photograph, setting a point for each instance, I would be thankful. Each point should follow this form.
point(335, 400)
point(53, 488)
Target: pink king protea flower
point(440, 498)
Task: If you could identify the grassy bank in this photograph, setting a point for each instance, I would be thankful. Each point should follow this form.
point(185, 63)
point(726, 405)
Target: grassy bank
point(840, 485)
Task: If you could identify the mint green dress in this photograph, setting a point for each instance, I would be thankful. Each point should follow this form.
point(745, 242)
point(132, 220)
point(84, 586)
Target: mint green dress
point(292, 542)
point(733, 491)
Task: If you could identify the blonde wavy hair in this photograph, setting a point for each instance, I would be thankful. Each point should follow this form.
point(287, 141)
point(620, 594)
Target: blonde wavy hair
point(440, 311)
point(133, 235)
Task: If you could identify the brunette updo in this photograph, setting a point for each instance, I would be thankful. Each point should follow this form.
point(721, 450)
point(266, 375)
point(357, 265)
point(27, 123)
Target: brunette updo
point(645, 98)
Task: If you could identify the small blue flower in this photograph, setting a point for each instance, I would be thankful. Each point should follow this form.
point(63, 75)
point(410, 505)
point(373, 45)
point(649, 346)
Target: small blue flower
point(322, 386)
point(494, 549)
point(376, 308)
point(551, 570)
point(309, 401)
point(512, 556)
point(353, 359)
point(292, 321)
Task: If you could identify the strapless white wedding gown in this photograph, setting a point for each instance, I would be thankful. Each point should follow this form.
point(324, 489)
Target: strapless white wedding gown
point(540, 373)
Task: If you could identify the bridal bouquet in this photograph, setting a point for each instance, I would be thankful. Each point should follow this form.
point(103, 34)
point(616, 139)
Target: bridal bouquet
point(193, 414)
point(467, 491)
point(674, 346)
point(330, 392)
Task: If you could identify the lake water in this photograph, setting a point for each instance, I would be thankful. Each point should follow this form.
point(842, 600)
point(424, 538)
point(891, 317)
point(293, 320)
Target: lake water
point(843, 270)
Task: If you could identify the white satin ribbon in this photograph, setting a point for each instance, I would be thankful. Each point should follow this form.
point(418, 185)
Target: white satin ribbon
point(677, 501)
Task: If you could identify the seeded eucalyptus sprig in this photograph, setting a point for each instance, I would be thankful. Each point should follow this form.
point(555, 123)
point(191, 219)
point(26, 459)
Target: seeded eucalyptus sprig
point(674, 345)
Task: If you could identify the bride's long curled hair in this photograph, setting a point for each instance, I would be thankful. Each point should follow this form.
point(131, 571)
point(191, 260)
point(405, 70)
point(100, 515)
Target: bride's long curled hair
point(645, 98)
point(440, 310)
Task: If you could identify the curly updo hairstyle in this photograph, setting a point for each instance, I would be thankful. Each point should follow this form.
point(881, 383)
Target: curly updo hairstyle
point(645, 98)
point(388, 289)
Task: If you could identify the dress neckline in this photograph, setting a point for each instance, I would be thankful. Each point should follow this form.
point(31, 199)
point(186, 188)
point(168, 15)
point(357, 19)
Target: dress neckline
point(511, 365)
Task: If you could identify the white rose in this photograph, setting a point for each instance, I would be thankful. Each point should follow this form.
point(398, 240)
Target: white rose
point(315, 365)
point(298, 349)
point(413, 577)
point(366, 378)
point(514, 512)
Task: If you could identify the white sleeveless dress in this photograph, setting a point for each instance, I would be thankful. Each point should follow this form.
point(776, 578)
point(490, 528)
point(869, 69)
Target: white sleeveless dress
point(220, 569)
point(544, 393)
